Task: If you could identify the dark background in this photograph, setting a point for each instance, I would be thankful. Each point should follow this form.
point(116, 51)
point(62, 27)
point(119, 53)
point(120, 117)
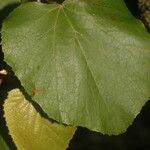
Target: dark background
point(137, 136)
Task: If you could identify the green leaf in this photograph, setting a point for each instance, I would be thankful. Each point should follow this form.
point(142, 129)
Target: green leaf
point(29, 130)
point(85, 62)
point(4, 3)
point(3, 145)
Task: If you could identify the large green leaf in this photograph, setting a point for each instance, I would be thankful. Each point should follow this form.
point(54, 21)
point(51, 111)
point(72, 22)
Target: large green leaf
point(29, 130)
point(86, 62)
point(4, 3)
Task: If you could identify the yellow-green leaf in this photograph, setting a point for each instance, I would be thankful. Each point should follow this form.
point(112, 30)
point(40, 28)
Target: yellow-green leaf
point(29, 130)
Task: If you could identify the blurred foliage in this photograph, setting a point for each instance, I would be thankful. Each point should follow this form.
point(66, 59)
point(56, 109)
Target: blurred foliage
point(144, 7)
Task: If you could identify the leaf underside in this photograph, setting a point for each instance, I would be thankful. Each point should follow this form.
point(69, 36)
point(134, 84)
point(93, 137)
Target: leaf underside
point(29, 130)
point(85, 62)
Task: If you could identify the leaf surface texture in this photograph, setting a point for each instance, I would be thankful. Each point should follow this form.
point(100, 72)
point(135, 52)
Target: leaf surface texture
point(29, 130)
